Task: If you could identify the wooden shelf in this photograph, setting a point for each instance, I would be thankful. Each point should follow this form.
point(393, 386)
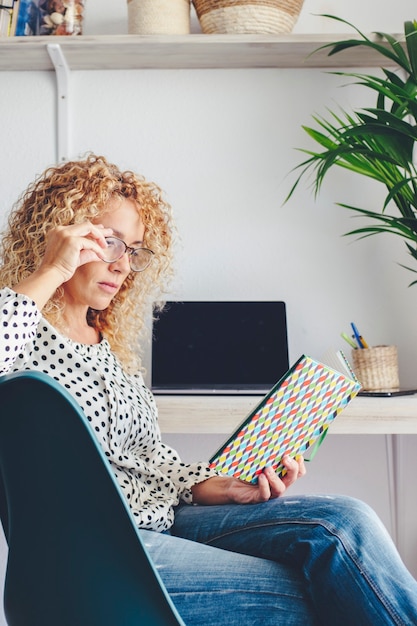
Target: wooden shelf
point(196, 51)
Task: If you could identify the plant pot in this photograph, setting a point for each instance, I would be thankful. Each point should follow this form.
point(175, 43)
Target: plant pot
point(247, 16)
point(158, 17)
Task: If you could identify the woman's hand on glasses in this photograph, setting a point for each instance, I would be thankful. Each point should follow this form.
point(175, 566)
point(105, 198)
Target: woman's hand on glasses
point(68, 247)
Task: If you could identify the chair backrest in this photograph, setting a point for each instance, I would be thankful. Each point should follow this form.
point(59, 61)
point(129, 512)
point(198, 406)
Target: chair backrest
point(75, 557)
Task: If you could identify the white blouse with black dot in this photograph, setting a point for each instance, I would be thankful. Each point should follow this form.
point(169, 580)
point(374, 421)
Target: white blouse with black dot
point(120, 408)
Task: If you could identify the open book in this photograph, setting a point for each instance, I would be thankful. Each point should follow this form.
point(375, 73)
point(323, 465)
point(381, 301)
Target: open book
point(291, 418)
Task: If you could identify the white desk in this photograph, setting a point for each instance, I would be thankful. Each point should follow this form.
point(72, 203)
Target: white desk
point(221, 414)
point(363, 416)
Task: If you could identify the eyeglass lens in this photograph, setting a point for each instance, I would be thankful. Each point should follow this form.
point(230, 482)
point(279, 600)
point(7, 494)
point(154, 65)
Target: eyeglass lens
point(139, 257)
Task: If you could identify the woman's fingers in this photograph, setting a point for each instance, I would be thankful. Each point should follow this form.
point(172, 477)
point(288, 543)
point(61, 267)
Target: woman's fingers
point(269, 479)
point(295, 469)
point(68, 247)
point(275, 484)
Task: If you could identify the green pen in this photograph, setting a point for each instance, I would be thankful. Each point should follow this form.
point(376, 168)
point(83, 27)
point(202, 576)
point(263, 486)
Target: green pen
point(349, 340)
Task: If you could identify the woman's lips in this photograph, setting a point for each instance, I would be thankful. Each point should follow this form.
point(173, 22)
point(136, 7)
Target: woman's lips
point(109, 287)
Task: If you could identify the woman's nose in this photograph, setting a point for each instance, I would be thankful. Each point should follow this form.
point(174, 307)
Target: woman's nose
point(122, 264)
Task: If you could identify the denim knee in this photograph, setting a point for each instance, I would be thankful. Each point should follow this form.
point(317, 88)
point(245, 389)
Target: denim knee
point(344, 513)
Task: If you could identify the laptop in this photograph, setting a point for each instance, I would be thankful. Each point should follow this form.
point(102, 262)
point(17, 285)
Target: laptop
point(219, 348)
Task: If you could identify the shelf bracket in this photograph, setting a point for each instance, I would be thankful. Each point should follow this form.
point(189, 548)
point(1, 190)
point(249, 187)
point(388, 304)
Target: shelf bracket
point(62, 80)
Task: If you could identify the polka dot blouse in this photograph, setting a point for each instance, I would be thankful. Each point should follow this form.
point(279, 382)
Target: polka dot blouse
point(120, 408)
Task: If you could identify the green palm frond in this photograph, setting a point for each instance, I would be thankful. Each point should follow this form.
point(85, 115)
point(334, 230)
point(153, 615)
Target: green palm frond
point(404, 227)
point(377, 142)
point(394, 52)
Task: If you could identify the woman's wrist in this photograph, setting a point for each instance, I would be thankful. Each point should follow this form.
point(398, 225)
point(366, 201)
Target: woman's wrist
point(40, 286)
point(214, 490)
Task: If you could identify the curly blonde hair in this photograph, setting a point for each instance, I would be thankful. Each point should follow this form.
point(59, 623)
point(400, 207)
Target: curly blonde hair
point(72, 193)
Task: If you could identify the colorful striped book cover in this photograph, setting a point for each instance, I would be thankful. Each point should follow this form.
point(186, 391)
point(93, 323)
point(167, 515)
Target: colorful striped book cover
point(291, 418)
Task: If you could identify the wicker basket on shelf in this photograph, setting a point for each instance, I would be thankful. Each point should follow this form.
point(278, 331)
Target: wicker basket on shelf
point(158, 17)
point(247, 16)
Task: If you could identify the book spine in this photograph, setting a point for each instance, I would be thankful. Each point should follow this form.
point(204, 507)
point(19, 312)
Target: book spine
point(15, 13)
point(6, 13)
point(22, 21)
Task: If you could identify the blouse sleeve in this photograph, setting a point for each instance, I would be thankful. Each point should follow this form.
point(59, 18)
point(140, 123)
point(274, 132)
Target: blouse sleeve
point(19, 321)
point(183, 475)
point(166, 460)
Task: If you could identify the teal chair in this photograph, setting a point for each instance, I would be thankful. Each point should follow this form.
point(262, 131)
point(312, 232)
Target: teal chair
point(75, 555)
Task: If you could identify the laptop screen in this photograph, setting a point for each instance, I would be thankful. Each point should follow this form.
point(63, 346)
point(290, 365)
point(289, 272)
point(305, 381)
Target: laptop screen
point(224, 347)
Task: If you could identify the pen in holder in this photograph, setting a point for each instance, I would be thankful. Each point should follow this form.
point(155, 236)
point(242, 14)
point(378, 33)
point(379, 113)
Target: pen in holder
point(376, 368)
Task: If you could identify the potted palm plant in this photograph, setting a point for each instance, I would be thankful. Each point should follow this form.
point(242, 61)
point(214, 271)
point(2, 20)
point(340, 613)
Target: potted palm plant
point(377, 142)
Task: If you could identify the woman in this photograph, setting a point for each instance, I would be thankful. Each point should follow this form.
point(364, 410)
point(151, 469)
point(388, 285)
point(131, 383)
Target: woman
point(86, 252)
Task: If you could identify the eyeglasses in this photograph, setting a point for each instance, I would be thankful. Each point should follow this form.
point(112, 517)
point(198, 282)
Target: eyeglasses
point(140, 258)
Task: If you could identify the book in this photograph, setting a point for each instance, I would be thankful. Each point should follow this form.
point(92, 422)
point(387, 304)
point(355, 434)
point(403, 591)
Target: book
point(337, 360)
point(26, 22)
point(7, 11)
point(15, 14)
point(293, 417)
point(47, 17)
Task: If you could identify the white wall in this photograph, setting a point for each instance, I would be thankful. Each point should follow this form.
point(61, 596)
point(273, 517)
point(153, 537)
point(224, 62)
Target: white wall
point(221, 143)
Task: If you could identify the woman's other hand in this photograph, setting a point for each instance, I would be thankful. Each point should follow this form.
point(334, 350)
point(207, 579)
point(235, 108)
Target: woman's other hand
point(225, 489)
point(269, 484)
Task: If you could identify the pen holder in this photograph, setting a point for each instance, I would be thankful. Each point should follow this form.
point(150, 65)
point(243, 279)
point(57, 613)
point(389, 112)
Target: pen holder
point(376, 367)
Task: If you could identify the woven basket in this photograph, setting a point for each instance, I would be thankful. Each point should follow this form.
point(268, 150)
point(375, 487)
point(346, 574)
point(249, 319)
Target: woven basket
point(377, 367)
point(158, 17)
point(247, 16)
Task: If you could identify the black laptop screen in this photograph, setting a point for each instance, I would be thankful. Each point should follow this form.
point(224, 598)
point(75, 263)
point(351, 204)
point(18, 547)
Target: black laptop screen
point(219, 345)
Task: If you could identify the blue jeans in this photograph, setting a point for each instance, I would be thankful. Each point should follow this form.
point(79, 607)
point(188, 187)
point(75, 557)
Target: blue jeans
point(292, 561)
